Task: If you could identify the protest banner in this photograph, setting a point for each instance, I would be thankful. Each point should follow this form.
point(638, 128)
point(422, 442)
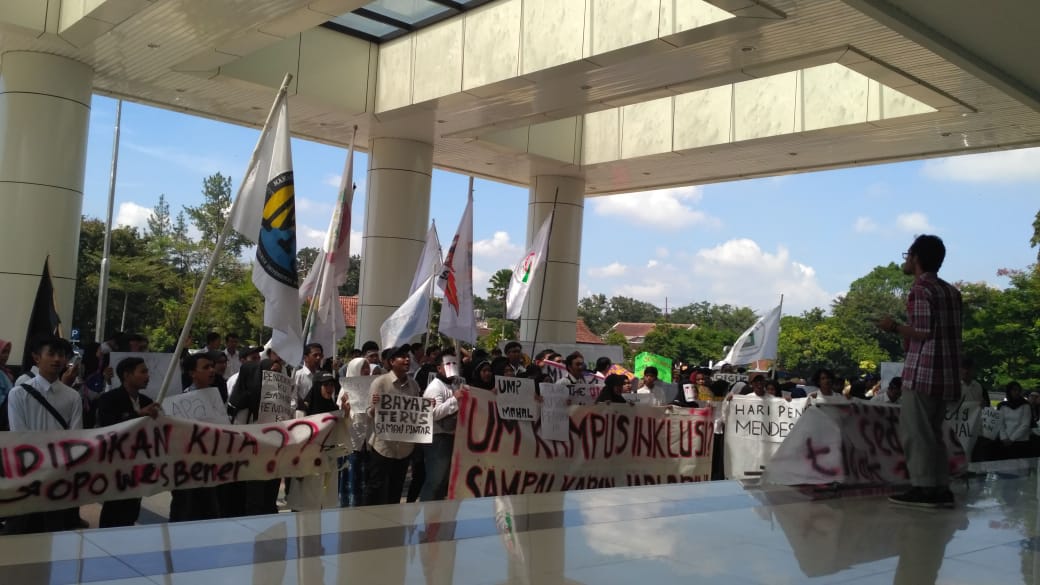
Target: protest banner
point(992, 420)
point(555, 420)
point(157, 364)
point(965, 422)
point(516, 398)
point(851, 443)
point(142, 457)
point(203, 405)
point(755, 428)
point(359, 392)
point(606, 445)
point(663, 365)
point(275, 397)
point(581, 393)
point(409, 419)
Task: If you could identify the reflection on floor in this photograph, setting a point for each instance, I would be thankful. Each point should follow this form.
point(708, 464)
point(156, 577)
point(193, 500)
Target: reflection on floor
point(719, 532)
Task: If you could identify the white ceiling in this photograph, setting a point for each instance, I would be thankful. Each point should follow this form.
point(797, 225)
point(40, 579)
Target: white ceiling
point(985, 61)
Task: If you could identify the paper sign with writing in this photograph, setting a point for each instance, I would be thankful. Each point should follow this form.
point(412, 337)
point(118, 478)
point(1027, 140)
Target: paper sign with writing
point(554, 420)
point(157, 364)
point(689, 392)
point(409, 419)
point(203, 405)
point(275, 397)
point(143, 457)
point(516, 400)
point(755, 428)
point(581, 394)
point(606, 445)
point(359, 392)
point(964, 421)
point(992, 420)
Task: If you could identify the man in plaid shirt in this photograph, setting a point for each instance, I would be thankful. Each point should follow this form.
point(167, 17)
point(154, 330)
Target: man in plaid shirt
point(932, 337)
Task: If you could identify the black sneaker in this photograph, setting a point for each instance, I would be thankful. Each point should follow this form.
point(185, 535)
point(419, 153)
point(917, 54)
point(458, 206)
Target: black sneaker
point(944, 498)
point(918, 497)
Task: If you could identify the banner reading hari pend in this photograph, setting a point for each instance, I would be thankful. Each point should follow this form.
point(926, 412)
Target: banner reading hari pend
point(610, 445)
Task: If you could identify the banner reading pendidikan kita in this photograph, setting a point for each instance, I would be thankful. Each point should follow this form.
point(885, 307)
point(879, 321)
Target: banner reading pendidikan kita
point(142, 457)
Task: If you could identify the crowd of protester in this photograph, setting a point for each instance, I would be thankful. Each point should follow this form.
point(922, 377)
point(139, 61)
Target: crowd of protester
point(69, 388)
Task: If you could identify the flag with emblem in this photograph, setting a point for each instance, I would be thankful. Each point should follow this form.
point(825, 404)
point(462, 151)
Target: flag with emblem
point(524, 270)
point(757, 343)
point(456, 281)
point(265, 212)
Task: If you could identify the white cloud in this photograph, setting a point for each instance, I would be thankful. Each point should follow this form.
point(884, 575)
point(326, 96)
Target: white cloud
point(133, 215)
point(1009, 166)
point(914, 222)
point(668, 209)
point(481, 281)
point(498, 247)
point(864, 225)
point(309, 237)
point(661, 252)
point(613, 269)
point(332, 180)
point(736, 272)
point(306, 205)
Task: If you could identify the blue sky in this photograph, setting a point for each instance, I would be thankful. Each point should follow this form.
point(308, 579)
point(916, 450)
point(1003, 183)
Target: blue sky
point(806, 236)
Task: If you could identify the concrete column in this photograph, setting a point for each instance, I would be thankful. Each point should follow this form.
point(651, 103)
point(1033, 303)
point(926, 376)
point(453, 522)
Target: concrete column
point(44, 116)
point(559, 312)
point(397, 216)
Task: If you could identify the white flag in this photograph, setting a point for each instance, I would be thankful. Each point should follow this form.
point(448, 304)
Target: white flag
point(327, 325)
point(430, 261)
point(757, 343)
point(456, 280)
point(524, 270)
point(265, 212)
point(410, 319)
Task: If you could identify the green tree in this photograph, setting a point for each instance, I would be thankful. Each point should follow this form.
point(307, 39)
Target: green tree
point(353, 282)
point(601, 314)
point(594, 310)
point(209, 218)
point(695, 346)
point(616, 338)
point(498, 286)
point(712, 316)
point(881, 292)
point(305, 258)
point(1035, 240)
point(812, 341)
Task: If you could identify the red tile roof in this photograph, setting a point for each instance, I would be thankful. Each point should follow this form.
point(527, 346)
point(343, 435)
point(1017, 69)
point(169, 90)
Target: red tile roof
point(585, 335)
point(349, 305)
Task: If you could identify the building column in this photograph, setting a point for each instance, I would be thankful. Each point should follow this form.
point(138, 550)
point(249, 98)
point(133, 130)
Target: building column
point(44, 116)
point(559, 313)
point(397, 216)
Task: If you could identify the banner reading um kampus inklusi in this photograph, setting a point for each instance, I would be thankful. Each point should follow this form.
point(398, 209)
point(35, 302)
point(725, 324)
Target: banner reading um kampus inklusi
point(142, 457)
point(610, 445)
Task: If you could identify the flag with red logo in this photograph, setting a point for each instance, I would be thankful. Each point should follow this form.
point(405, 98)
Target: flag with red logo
point(456, 281)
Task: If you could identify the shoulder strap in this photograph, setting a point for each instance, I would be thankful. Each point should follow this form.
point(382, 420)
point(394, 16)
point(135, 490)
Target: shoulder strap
point(39, 398)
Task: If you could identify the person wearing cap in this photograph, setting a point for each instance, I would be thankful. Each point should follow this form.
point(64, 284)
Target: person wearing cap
point(388, 460)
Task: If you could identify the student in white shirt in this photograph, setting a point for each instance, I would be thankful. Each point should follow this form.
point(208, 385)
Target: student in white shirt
point(650, 385)
point(45, 403)
point(437, 455)
point(303, 378)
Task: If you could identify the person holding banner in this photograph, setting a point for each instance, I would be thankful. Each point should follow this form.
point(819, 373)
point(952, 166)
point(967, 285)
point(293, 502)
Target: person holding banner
point(482, 376)
point(437, 455)
point(388, 461)
point(351, 475)
point(45, 403)
point(303, 378)
point(196, 503)
point(315, 492)
point(116, 406)
point(649, 385)
point(257, 496)
point(613, 388)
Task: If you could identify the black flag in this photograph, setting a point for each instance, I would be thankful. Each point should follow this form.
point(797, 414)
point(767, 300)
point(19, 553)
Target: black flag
point(44, 319)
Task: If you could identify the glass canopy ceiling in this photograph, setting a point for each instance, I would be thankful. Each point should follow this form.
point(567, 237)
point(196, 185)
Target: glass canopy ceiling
point(385, 20)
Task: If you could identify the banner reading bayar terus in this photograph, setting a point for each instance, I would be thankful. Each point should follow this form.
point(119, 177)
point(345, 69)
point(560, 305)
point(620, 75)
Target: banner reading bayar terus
point(610, 445)
point(63, 469)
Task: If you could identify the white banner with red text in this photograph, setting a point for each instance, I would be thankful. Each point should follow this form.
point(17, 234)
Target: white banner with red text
point(142, 457)
point(608, 445)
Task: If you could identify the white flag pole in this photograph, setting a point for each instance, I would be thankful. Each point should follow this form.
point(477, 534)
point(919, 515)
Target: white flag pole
point(102, 304)
point(196, 303)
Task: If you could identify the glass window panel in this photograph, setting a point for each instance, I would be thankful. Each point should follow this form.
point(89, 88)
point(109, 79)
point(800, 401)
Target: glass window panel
point(365, 25)
point(410, 11)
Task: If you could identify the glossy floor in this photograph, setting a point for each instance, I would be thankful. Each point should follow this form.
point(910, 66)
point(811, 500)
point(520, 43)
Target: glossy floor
point(720, 532)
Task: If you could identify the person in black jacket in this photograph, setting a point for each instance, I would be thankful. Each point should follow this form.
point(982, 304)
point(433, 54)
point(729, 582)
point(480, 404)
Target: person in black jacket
point(612, 390)
point(116, 406)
